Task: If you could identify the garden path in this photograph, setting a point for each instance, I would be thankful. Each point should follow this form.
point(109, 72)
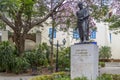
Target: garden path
point(110, 70)
point(15, 77)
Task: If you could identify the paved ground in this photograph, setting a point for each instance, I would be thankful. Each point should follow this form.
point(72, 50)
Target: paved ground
point(109, 70)
point(15, 77)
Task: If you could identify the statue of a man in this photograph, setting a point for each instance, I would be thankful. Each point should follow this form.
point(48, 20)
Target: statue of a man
point(82, 22)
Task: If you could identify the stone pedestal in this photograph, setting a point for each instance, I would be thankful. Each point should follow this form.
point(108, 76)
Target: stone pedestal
point(84, 61)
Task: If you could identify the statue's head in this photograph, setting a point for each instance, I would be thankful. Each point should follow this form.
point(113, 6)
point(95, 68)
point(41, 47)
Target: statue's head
point(80, 5)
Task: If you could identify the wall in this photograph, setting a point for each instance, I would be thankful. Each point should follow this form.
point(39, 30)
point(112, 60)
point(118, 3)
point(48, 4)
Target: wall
point(115, 45)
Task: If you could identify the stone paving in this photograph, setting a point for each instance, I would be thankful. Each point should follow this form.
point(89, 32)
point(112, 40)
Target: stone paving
point(15, 77)
point(110, 70)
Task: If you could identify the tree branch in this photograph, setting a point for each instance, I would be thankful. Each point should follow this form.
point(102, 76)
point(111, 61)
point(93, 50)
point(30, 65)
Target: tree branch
point(47, 16)
point(5, 20)
point(18, 19)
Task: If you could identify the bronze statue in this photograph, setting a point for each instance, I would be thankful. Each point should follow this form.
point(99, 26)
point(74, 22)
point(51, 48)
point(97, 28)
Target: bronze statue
point(82, 22)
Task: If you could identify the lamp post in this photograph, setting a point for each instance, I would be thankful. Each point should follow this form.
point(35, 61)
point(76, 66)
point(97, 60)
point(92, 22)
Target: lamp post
point(64, 41)
point(57, 57)
point(57, 45)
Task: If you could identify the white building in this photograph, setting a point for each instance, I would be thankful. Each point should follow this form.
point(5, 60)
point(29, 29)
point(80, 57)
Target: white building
point(104, 37)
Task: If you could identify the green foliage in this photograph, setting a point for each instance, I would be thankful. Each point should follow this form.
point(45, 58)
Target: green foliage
point(42, 8)
point(11, 62)
point(66, 77)
point(99, 12)
point(45, 49)
point(115, 76)
point(64, 59)
point(109, 77)
point(44, 77)
point(31, 57)
point(2, 25)
point(114, 23)
point(105, 52)
point(42, 52)
point(38, 57)
point(24, 14)
point(28, 8)
point(63, 78)
point(19, 65)
point(105, 77)
point(54, 76)
point(59, 74)
point(82, 78)
point(35, 59)
point(6, 55)
point(102, 64)
point(111, 19)
point(11, 7)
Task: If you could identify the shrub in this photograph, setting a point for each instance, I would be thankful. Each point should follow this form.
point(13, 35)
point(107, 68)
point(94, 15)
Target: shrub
point(105, 77)
point(82, 78)
point(54, 76)
point(8, 59)
point(43, 77)
point(63, 78)
point(20, 65)
point(45, 49)
point(102, 64)
point(31, 57)
point(59, 74)
point(64, 59)
point(105, 52)
point(41, 53)
point(35, 58)
point(115, 76)
point(6, 56)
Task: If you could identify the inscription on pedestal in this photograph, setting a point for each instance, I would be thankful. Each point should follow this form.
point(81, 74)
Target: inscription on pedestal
point(82, 52)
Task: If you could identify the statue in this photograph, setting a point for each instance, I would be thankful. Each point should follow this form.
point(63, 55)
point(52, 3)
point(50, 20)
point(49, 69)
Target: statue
point(82, 22)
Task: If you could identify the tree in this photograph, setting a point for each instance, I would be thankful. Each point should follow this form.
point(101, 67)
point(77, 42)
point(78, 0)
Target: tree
point(22, 16)
point(114, 16)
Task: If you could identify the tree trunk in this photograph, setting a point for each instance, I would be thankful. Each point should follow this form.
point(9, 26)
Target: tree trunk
point(19, 40)
point(52, 55)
